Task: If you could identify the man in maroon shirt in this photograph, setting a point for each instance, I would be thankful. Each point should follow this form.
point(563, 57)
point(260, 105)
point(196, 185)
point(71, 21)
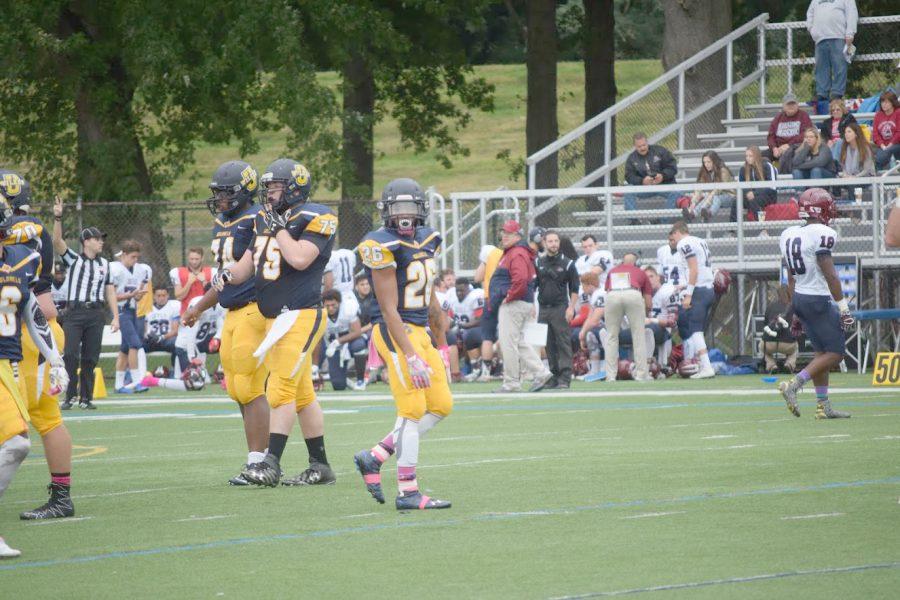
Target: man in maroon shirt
point(628, 293)
point(512, 289)
point(786, 133)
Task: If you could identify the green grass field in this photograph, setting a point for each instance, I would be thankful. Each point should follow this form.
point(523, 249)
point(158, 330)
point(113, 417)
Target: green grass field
point(675, 489)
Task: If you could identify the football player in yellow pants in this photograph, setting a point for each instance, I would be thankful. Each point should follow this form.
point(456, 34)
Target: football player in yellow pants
point(400, 260)
point(43, 406)
point(293, 243)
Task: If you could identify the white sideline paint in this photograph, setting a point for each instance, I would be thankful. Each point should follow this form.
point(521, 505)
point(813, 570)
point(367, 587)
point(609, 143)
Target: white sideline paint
point(655, 514)
point(718, 437)
point(834, 435)
point(462, 396)
point(58, 521)
point(196, 518)
point(818, 516)
point(738, 447)
point(144, 416)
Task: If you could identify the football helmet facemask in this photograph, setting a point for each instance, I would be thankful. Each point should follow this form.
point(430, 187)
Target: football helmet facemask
point(233, 186)
point(817, 203)
point(403, 206)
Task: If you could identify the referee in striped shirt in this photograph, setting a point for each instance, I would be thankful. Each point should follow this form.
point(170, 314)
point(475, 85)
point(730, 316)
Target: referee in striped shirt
point(90, 293)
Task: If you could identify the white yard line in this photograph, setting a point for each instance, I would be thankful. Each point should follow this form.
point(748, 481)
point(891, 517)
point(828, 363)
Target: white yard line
point(655, 514)
point(737, 447)
point(58, 521)
point(718, 437)
point(817, 516)
point(209, 518)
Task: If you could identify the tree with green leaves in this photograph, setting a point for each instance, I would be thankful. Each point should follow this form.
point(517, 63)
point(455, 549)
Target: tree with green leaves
point(110, 100)
point(406, 58)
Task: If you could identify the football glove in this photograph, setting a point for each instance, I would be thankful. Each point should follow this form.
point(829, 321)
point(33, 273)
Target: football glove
point(214, 345)
point(419, 371)
point(444, 351)
point(847, 319)
point(275, 221)
point(221, 279)
point(59, 379)
point(333, 347)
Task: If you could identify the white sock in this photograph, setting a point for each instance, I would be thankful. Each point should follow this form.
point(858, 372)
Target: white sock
point(12, 453)
point(408, 444)
point(173, 384)
point(142, 361)
point(427, 422)
point(136, 376)
point(255, 457)
point(602, 366)
point(688, 348)
point(704, 361)
point(664, 351)
point(120, 379)
point(596, 366)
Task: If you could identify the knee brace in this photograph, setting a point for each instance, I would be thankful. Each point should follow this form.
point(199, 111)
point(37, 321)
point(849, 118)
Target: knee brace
point(12, 452)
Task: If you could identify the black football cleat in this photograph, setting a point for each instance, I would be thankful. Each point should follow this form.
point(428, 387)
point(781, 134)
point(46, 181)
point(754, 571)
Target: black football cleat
point(86, 405)
point(267, 472)
point(59, 506)
point(239, 479)
point(370, 469)
point(418, 501)
point(316, 474)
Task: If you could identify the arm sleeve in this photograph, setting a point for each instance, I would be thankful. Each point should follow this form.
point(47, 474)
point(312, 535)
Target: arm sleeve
point(631, 174)
point(669, 166)
point(40, 332)
point(69, 257)
point(518, 273)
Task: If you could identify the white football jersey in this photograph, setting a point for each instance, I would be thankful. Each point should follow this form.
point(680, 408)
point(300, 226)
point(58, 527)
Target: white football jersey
point(127, 280)
point(466, 310)
point(446, 299)
point(800, 245)
point(342, 265)
point(159, 320)
point(599, 258)
point(340, 325)
point(693, 246)
point(665, 299)
point(667, 265)
point(207, 326)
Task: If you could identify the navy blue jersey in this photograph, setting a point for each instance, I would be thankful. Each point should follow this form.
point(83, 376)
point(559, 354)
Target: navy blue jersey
point(231, 238)
point(279, 286)
point(30, 231)
point(414, 261)
point(19, 269)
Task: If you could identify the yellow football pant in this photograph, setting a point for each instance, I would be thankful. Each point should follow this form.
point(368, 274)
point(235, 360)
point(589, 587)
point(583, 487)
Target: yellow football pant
point(242, 332)
point(43, 408)
point(13, 408)
point(290, 360)
point(412, 403)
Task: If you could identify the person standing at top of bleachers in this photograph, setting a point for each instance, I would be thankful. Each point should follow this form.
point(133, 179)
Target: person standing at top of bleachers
point(832, 25)
point(786, 133)
point(650, 165)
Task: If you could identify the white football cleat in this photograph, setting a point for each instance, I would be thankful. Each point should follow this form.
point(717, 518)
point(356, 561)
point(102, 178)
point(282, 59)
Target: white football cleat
point(7, 552)
point(704, 374)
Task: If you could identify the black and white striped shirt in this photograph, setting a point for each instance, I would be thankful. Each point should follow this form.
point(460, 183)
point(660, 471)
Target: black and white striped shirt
point(86, 277)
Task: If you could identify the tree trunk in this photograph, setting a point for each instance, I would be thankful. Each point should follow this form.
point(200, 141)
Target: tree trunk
point(358, 175)
point(691, 26)
point(541, 127)
point(599, 79)
point(110, 159)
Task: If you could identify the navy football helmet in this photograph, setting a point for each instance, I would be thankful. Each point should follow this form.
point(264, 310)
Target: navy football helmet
point(297, 184)
point(403, 206)
point(16, 190)
point(234, 185)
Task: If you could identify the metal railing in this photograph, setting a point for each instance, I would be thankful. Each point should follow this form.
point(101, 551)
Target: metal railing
point(666, 95)
point(794, 55)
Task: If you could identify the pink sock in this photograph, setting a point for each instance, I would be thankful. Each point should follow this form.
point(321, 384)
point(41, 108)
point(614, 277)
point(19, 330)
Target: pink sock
point(385, 448)
point(150, 381)
point(63, 480)
point(406, 480)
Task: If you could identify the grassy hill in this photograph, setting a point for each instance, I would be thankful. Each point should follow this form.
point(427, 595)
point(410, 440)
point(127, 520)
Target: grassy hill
point(486, 136)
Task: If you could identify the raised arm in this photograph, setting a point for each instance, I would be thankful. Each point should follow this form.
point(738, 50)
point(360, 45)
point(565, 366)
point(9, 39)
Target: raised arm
point(59, 244)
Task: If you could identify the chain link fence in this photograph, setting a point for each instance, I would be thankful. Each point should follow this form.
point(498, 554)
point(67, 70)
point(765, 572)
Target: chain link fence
point(790, 60)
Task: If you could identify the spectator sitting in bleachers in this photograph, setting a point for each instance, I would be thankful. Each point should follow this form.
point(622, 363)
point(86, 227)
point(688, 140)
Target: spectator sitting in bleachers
point(886, 130)
point(650, 165)
point(756, 168)
point(705, 204)
point(812, 160)
point(833, 127)
point(856, 158)
point(786, 133)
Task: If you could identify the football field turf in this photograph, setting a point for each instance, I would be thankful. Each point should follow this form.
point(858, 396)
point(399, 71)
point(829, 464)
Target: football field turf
point(674, 489)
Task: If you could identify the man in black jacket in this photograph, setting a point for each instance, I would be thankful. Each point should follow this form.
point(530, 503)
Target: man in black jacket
point(557, 281)
point(650, 165)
